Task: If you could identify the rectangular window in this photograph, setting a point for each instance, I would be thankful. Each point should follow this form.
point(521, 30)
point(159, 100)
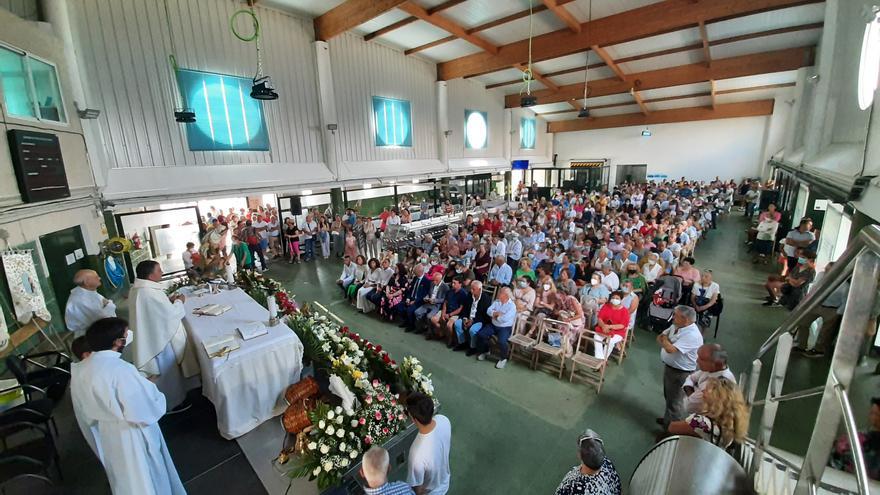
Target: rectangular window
point(393, 122)
point(476, 129)
point(30, 87)
point(527, 131)
point(227, 118)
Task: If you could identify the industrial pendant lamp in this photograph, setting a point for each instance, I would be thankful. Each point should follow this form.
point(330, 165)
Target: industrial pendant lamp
point(528, 100)
point(585, 112)
point(262, 88)
point(183, 114)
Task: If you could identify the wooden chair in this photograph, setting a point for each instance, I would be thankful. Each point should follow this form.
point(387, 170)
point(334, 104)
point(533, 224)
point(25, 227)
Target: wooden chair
point(491, 290)
point(620, 349)
point(556, 355)
point(593, 368)
point(521, 345)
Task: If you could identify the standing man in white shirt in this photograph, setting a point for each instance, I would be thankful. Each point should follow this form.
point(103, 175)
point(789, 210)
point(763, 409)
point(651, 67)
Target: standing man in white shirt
point(678, 351)
point(711, 363)
point(428, 469)
point(85, 306)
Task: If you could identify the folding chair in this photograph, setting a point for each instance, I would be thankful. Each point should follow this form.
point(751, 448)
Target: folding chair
point(491, 290)
point(556, 355)
point(521, 345)
point(592, 368)
point(620, 350)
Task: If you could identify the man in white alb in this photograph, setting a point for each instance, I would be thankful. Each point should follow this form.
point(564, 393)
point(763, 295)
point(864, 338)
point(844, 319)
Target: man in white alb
point(160, 350)
point(85, 306)
point(428, 469)
point(123, 408)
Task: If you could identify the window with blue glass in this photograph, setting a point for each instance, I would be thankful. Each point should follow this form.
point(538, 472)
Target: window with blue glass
point(527, 130)
point(476, 129)
point(393, 122)
point(30, 87)
point(227, 118)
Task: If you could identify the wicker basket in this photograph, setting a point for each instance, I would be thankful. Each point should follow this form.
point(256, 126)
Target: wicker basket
point(303, 389)
point(296, 417)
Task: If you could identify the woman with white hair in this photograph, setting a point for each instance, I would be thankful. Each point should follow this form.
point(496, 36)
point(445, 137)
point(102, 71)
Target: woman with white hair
point(652, 268)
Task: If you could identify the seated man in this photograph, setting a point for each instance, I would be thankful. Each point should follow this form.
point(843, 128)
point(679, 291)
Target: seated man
point(431, 302)
point(704, 296)
point(501, 273)
point(789, 291)
point(347, 276)
point(596, 473)
point(444, 320)
point(413, 297)
point(503, 314)
point(711, 363)
point(474, 316)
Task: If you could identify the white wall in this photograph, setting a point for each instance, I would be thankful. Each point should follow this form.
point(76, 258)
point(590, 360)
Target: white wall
point(727, 148)
point(362, 70)
point(26, 9)
point(542, 154)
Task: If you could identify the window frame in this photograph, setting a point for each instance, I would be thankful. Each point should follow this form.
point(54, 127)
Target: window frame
point(374, 123)
point(534, 123)
point(33, 89)
point(485, 115)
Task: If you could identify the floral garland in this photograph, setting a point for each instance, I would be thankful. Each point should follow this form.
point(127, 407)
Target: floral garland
point(369, 371)
point(260, 288)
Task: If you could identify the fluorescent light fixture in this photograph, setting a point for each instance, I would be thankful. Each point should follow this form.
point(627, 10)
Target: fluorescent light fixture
point(646, 132)
point(415, 181)
point(869, 62)
point(367, 185)
point(305, 192)
point(478, 163)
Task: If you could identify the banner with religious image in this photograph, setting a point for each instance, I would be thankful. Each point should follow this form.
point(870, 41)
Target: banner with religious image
point(24, 286)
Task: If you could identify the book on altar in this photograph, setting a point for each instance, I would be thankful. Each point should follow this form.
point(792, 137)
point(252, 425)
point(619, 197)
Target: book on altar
point(221, 345)
point(212, 310)
point(252, 330)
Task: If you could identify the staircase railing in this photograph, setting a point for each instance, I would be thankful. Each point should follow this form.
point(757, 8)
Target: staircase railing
point(861, 264)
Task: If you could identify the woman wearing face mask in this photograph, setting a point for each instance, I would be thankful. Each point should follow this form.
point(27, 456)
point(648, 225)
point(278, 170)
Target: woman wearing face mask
point(482, 262)
point(569, 310)
point(613, 320)
point(593, 296)
point(524, 296)
point(630, 302)
point(652, 268)
point(545, 302)
point(632, 275)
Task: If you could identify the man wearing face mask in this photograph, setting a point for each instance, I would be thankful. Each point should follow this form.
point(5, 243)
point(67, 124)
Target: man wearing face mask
point(124, 408)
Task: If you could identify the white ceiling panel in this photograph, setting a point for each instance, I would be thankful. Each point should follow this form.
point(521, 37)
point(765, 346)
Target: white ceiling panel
point(605, 112)
point(682, 103)
point(416, 34)
point(475, 12)
point(307, 8)
point(684, 89)
point(609, 99)
point(578, 76)
point(604, 8)
point(500, 76)
point(381, 21)
point(767, 43)
point(759, 80)
point(449, 51)
point(663, 62)
point(666, 41)
point(560, 116)
point(762, 94)
point(551, 107)
point(566, 62)
point(774, 19)
point(544, 22)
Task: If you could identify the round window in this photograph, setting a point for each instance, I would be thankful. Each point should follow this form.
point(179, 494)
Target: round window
point(869, 65)
point(476, 130)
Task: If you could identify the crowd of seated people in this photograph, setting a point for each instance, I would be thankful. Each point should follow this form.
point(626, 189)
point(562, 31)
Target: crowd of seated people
point(575, 257)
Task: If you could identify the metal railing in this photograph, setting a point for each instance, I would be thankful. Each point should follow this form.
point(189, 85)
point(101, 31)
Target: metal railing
point(860, 263)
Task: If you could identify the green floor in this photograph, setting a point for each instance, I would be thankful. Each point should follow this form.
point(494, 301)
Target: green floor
point(515, 430)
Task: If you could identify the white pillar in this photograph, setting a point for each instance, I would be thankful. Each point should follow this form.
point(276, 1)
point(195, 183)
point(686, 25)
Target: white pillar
point(327, 106)
point(818, 133)
point(798, 111)
point(443, 124)
point(508, 133)
point(58, 16)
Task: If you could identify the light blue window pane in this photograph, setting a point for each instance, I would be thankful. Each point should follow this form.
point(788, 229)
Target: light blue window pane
point(392, 121)
point(16, 90)
point(527, 133)
point(227, 118)
point(48, 93)
point(476, 129)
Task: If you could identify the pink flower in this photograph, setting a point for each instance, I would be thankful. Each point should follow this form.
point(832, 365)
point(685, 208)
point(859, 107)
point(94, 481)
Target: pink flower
point(387, 387)
point(368, 399)
point(378, 415)
point(368, 440)
point(401, 417)
point(384, 431)
point(363, 421)
point(381, 397)
point(375, 383)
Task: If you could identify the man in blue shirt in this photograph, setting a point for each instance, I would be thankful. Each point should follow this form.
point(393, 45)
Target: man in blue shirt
point(500, 274)
point(374, 469)
point(443, 322)
point(503, 314)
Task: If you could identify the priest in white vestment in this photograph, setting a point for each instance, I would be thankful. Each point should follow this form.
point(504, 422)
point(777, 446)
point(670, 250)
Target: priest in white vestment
point(123, 408)
point(85, 306)
point(161, 350)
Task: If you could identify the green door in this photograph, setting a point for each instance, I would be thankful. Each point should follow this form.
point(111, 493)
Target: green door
point(64, 252)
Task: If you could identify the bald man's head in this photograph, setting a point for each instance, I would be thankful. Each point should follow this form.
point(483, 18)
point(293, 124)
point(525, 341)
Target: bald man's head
point(87, 279)
point(711, 357)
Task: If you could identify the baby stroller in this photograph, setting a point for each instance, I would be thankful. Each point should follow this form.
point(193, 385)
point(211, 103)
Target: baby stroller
point(667, 293)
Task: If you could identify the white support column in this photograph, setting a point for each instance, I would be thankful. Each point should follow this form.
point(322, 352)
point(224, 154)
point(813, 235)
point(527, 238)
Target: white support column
point(327, 106)
point(508, 133)
point(443, 124)
point(818, 132)
point(57, 14)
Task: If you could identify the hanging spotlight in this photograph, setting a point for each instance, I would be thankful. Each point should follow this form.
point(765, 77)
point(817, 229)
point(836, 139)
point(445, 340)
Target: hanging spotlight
point(585, 112)
point(263, 90)
point(184, 116)
point(528, 101)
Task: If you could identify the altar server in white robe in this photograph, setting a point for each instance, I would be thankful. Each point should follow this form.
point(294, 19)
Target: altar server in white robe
point(123, 408)
point(85, 306)
point(160, 350)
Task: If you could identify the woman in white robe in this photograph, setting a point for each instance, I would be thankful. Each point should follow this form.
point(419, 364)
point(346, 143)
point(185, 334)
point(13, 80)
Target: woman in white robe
point(373, 280)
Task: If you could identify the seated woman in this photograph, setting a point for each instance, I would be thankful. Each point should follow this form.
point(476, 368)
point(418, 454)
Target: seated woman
point(524, 296)
point(842, 454)
point(593, 296)
point(482, 262)
point(725, 417)
point(689, 276)
point(525, 269)
point(566, 284)
point(545, 303)
point(569, 310)
point(372, 280)
point(393, 293)
point(451, 272)
point(631, 301)
point(612, 322)
point(703, 296)
point(360, 274)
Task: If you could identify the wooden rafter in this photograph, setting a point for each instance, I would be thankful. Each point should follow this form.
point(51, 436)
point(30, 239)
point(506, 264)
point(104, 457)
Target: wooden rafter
point(537, 76)
point(603, 54)
point(704, 39)
point(349, 14)
point(689, 114)
point(640, 102)
point(724, 68)
point(432, 44)
point(409, 20)
point(447, 25)
point(712, 93)
point(564, 15)
point(657, 18)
